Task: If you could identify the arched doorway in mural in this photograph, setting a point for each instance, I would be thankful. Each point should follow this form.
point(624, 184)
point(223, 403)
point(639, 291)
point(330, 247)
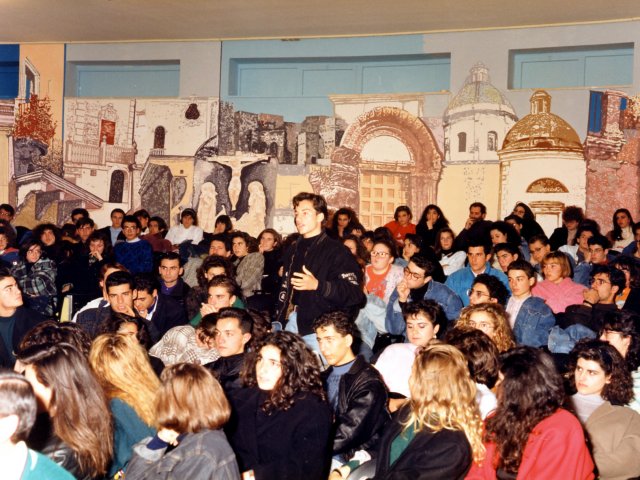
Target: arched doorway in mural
point(387, 157)
point(116, 187)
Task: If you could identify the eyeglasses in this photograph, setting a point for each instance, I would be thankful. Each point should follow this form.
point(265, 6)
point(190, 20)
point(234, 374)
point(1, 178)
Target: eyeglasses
point(129, 227)
point(414, 275)
point(379, 254)
point(477, 293)
point(599, 282)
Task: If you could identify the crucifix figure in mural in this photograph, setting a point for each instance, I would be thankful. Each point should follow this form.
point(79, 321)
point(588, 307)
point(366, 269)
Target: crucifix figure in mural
point(236, 163)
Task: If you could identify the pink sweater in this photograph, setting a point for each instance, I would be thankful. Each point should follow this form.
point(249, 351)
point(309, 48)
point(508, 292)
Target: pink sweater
point(559, 296)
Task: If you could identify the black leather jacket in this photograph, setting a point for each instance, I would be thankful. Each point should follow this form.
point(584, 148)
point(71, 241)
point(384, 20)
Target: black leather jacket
point(361, 414)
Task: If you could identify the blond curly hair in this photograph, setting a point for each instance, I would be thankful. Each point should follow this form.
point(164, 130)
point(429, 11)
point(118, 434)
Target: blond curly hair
point(502, 335)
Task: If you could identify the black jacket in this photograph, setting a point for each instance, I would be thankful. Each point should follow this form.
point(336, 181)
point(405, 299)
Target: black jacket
point(180, 293)
point(168, 314)
point(26, 319)
point(339, 282)
point(227, 371)
point(361, 414)
point(429, 456)
point(291, 444)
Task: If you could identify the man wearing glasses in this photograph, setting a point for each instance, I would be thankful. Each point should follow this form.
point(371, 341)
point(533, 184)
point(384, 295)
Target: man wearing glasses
point(597, 255)
point(134, 253)
point(418, 284)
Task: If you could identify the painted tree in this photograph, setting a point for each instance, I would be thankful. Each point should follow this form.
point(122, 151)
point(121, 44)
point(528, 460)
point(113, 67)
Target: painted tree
point(35, 121)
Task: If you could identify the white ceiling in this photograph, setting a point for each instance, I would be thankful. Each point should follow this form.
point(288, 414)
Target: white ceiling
point(25, 21)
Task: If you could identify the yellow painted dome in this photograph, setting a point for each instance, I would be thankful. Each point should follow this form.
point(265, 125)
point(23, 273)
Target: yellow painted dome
point(541, 129)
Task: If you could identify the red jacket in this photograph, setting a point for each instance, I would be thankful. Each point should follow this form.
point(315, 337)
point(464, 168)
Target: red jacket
point(556, 450)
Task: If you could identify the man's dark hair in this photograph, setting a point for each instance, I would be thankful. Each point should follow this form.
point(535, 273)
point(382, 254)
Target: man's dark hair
point(513, 217)
point(478, 242)
point(572, 213)
point(423, 263)
point(170, 256)
point(229, 284)
point(483, 208)
point(540, 237)
point(496, 288)
point(214, 261)
point(82, 221)
point(244, 318)
point(319, 203)
point(131, 219)
point(340, 321)
point(222, 238)
point(430, 309)
point(116, 210)
point(415, 239)
point(616, 277)
point(599, 240)
point(162, 225)
point(8, 208)
point(17, 398)
point(507, 247)
point(79, 211)
point(119, 278)
point(522, 265)
point(146, 282)
point(480, 351)
point(142, 213)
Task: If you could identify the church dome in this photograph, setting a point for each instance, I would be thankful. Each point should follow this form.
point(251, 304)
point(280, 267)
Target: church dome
point(541, 129)
point(477, 89)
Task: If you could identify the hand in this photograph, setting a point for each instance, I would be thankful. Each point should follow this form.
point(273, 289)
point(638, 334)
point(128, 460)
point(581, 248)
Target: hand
point(304, 280)
point(206, 309)
point(470, 221)
point(168, 436)
point(96, 255)
point(429, 224)
point(403, 291)
point(591, 296)
point(340, 473)
point(587, 256)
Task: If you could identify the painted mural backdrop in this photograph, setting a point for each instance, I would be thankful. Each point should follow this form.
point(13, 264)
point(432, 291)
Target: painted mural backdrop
point(374, 153)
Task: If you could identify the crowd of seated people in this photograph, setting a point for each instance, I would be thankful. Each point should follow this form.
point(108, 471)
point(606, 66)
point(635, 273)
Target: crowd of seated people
point(332, 352)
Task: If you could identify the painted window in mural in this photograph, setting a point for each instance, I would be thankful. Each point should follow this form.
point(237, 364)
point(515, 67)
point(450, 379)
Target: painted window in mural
point(594, 65)
point(492, 141)
point(462, 142)
point(107, 132)
point(158, 137)
point(116, 187)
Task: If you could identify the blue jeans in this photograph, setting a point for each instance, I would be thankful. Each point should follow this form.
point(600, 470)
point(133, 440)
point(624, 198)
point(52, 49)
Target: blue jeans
point(310, 340)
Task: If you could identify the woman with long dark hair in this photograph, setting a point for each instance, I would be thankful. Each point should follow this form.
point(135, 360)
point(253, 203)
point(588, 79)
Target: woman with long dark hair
point(603, 384)
point(282, 422)
point(344, 219)
point(80, 435)
point(201, 449)
point(529, 225)
point(621, 233)
point(531, 435)
point(36, 276)
point(249, 262)
point(431, 222)
point(450, 256)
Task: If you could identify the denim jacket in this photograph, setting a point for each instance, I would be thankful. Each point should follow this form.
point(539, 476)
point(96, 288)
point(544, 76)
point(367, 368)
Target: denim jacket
point(437, 292)
point(462, 280)
point(533, 323)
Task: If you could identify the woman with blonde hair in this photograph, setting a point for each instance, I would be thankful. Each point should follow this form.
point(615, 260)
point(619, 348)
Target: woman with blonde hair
point(489, 318)
point(201, 447)
point(557, 289)
point(438, 433)
point(123, 369)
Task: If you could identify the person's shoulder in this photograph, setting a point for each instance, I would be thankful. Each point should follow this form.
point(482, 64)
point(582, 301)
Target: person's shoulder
point(38, 466)
point(560, 421)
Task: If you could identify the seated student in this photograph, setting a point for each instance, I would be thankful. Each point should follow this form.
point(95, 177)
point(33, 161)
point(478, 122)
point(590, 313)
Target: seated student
point(585, 318)
point(632, 249)
point(401, 224)
point(162, 311)
point(355, 389)
point(16, 319)
point(201, 449)
point(18, 408)
point(114, 233)
point(218, 244)
point(621, 235)
point(506, 253)
point(539, 247)
point(629, 298)
point(134, 253)
point(597, 255)
point(491, 319)
point(234, 332)
point(568, 232)
point(449, 255)
point(75, 426)
point(530, 317)
point(412, 246)
point(482, 355)
point(211, 266)
point(143, 217)
point(620, 329)
point(223, 292)
point(188, 230)
point(249, 262)
point(418, 284)
point(122, 367)
point(557, 289)
point(425, 320)
point(530, 435)
point(516, 222)
point(432, 437)
point(36, 276)
point(579, 250)
point(171, 284)
point(478, 255)
point(487, 289)
point(604, 386)
point(186, 344)
point(157, 229)
point(281, 423)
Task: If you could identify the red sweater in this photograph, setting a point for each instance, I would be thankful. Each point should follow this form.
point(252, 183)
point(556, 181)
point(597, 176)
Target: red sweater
point(398, 231)
point(555, 450)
